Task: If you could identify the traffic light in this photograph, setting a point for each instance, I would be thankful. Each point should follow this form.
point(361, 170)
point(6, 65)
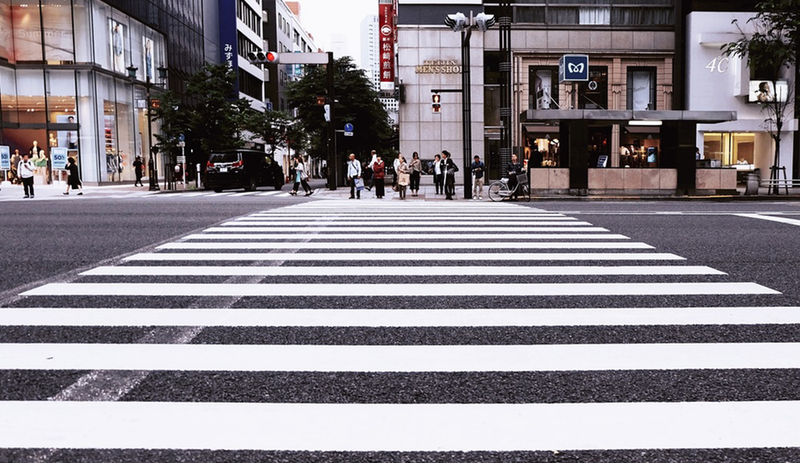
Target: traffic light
point(260, 57)
point(436, 103)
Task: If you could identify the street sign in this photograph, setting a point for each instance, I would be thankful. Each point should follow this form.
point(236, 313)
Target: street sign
point(181, 159)
point(58, 158)
point(181, 137)
point(573, 68)
point(348, 127)
point(5, 158)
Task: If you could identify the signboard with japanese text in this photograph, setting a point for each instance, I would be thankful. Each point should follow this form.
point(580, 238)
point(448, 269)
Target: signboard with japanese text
point(58, 158)
point(386, 34)
point(229, 53)
point(5, 158)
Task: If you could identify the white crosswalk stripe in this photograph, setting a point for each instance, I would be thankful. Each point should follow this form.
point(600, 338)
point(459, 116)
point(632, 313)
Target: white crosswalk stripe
point(340, 326)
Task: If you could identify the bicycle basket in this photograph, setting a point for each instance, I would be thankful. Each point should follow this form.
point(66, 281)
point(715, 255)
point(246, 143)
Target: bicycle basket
point(522, 178)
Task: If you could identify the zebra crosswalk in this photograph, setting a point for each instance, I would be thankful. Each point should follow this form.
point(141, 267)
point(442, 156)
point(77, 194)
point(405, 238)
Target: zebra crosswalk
point(338, 331)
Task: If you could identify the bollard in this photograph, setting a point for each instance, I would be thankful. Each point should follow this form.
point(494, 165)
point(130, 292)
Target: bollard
point(751, 188)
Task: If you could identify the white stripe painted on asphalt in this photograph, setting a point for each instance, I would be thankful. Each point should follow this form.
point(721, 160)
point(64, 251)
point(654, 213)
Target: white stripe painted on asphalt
point(270, 193)
point(394, 218)
point(401, 223)
point(392, 215)
point(398, 427)
point(246, 193)
point(404, 245)
point(441, 358)
point(429, 229)
point(406, 236)
point(405, 256)
point(449, 271)
point(659, 316)
point(397, 290)
point(771, 218)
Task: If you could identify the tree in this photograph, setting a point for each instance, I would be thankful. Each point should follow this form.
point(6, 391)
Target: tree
point(355, 101)
point(770, 53)
point(271, 126)
point(215, 118)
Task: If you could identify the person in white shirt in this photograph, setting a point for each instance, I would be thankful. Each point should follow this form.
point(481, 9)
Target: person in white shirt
point(438, 178)
point(25, 170)
point(353, 172)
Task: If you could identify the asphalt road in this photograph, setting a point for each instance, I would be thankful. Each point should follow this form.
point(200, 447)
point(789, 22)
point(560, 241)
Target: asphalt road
point(53, 241)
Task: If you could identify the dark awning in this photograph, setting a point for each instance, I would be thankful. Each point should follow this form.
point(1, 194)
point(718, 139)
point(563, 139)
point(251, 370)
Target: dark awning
point(622, 117)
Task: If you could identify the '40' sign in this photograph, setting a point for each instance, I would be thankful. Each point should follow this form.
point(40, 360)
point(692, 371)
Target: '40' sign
point(573, 68)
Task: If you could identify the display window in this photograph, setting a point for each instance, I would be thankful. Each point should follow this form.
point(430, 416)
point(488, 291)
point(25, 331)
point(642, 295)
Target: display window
point(640, 147)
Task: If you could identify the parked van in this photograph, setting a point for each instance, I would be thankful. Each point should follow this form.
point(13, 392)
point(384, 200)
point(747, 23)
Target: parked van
point(242, 168)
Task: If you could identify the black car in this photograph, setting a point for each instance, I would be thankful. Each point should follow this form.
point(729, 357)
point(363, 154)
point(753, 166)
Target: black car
point(241, 168)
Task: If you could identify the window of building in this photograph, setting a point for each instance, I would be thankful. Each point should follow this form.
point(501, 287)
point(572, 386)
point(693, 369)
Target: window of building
point(641, 89)
point(250, 85)
point(730, 149)
point(594, 93)
point(594, 16)
point(543, 84)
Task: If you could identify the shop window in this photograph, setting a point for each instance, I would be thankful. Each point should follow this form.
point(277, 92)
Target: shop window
point(30, 99)
point(58, 36)
point(594, 93)
point(543, 84)
point(641, 89)
point(6, 37)
point(729, 149)
point(640, 147)
point(27, 31)
point(9, 105)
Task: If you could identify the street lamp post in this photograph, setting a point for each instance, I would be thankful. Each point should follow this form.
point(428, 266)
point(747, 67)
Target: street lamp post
point(152, 170)
point(460, 23)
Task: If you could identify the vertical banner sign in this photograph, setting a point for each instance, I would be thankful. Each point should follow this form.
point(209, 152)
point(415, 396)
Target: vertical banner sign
point(386, 44)
point(5, 158)
point(229, 52)
point(58, 157)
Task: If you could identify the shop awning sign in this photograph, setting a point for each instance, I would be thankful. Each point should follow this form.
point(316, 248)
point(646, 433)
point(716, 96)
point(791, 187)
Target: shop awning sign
point(58, 158)
point(573, 68)
point(5, 158)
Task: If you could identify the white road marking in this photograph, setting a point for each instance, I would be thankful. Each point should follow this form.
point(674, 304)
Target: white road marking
point(657, 316)
point(396, 290)
point(414, 358)
point(434, 230)
point(400, 223)
point(398, 427)
point(246, 193)
point(404, 245)
point(449, 271)
point(771, 218)
point(405, 256)
point(392, 215)
point(270, 193)
point(406, 236)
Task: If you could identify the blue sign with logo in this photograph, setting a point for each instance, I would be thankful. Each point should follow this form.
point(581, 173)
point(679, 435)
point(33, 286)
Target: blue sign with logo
point(5, 158)
point(348, 127)
point(573, 68)
point(58, 158)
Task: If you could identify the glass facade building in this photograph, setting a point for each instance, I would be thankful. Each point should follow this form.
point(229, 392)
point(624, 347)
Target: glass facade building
point(65, 79)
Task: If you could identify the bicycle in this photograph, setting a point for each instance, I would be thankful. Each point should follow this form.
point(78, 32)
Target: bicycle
point(500, 190)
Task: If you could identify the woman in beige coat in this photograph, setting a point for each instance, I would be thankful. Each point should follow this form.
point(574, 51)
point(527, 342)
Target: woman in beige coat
point(403, 177)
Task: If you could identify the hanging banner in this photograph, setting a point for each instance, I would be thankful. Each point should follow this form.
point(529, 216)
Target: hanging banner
point(386, 32)
point(229, 48)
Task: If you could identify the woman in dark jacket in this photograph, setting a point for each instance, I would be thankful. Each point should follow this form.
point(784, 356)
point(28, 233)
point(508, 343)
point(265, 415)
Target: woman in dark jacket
point(378, 177)
point(449, 169)
point(137, 169)
point(73, 180)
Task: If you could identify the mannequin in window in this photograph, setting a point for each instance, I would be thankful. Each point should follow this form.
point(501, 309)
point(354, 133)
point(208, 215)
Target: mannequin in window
point(72, 137)
point(52, 142)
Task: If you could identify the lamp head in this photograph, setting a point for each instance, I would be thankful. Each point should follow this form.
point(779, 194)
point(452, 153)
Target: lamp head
point(457, 22)
point(484, 21)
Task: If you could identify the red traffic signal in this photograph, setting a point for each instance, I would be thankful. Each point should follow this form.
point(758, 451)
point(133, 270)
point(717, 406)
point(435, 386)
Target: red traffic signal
point(436, 103)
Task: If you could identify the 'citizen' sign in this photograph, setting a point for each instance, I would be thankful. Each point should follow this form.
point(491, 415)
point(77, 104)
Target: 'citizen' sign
point(573, 68)
point(439, 67)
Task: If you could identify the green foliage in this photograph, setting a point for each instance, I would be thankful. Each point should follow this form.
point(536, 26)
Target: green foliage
point(270, 126)
point(356, 102)
point(770, 49)
point(215, 118)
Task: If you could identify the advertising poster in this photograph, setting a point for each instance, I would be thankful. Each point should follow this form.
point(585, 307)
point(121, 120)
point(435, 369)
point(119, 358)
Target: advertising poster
point(58, 158)
point(764, 91)
point(386, 44)
point(6, 39)
point(117, 46)
point(27, 33)
point(58, 36)
point(148, 57)
point(5, 158)
point(544, 86)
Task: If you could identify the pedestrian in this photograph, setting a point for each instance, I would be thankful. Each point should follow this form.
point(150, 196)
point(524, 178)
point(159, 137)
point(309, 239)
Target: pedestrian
point(15, 159)
point(378, 177)
point(353, 173)
point(369, 172)
point(513, 169)
point(73, 179)
point(415, 169)
point(26, 169)
point(395, 166)
point(403, 177)
point(438, 178)
point(449, 169)
point(478, 169)
point(137, 169)
point(300, 176)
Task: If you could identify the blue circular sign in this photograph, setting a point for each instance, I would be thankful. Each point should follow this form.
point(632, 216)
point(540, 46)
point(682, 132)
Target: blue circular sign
point(348, 127)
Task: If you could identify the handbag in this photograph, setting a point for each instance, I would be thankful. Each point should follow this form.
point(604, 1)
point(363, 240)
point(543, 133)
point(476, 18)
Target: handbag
point(359, 184)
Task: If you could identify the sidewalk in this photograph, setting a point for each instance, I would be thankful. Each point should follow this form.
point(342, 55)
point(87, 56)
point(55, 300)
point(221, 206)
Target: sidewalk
point(9, 191)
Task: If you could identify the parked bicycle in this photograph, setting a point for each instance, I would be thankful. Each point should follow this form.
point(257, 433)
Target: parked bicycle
point(500, 190)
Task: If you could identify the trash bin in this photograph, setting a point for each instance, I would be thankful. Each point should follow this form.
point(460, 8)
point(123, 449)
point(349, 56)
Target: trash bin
point(753, 181)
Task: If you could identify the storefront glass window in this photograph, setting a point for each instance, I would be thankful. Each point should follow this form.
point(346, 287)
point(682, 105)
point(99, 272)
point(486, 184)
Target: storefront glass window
point(6, 32)
point(27, 31)
point(83, 32)
point(8, 96)
point(101, 20)
point(640, 147)
point(641, 89)
point(61, 95)
point(30, 94)
point(543, 84)
point(58, 37)
point(594, 94)
point(729, 149)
